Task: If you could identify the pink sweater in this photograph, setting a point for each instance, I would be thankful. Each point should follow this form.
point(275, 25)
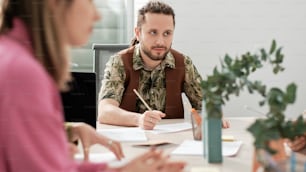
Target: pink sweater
point(32, 135)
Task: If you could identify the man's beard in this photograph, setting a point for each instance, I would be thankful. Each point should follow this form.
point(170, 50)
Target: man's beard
point(159, 57)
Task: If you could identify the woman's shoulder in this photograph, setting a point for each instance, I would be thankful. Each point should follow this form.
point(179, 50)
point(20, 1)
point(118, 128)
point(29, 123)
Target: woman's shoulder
point(10, 49)
point(18, 62)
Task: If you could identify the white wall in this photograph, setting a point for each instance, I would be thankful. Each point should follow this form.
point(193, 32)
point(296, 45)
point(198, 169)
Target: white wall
point(207, 29)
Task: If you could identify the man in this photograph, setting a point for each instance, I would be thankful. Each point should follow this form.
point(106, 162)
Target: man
point(159, 73)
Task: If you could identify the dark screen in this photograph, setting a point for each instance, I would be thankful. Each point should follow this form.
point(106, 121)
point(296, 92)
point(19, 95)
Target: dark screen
point(80, 101)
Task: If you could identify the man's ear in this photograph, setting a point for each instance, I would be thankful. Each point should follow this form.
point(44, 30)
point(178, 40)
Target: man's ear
point(137, 31)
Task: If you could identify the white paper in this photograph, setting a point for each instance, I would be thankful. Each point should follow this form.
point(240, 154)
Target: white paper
point(192, 147)
point(170, 128)
point(231, 148)
point(204, 169)
point(124, 134)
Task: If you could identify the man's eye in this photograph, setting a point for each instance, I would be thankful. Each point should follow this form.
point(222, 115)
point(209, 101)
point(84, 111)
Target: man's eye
point(152, 33)
point(167, 33)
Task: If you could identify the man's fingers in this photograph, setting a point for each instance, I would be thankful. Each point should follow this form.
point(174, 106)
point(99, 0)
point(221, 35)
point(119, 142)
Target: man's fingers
point(148, 126)
point(225, 124)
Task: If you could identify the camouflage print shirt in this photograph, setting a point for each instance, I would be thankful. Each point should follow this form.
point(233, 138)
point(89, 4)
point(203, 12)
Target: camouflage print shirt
point(152, 82)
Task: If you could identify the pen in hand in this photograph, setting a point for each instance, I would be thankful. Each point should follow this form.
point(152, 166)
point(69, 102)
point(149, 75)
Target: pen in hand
point(142, 100)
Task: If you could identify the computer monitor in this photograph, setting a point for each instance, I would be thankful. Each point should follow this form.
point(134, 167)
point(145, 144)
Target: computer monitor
point(80, 101)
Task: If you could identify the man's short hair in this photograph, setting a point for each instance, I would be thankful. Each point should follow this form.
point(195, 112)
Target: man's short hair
point(156, 7)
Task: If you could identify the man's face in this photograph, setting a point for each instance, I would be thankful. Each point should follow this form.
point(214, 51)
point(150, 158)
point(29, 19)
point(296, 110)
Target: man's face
point(155, 36)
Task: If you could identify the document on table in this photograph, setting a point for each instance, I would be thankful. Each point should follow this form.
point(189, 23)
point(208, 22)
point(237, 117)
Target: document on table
point(192, 147)
point(134, 134)
point(204, 169)
point(124, 134)
point(170, 128)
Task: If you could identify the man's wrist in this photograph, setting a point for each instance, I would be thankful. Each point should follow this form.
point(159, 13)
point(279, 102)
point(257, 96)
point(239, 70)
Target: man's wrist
point(137, 119)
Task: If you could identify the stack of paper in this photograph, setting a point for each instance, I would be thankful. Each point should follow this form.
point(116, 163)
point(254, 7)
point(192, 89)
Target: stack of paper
point(170, 128)
point(124, 134)
point(192, 147)
point(204, 169)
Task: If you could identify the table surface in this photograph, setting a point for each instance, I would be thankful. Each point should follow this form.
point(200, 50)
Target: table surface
point(241, 162)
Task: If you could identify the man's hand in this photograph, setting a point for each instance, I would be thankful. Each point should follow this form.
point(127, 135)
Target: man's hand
point(149, 119)
point(225, 123)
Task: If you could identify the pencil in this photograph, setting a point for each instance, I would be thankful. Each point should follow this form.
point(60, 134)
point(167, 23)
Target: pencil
point(138, 95)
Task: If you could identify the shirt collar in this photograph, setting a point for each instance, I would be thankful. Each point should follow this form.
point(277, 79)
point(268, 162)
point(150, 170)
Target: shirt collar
point(20, 34)
point(169, 61)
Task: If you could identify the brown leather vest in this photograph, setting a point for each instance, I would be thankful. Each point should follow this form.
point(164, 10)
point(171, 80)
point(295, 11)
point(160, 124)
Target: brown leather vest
point(174, 84)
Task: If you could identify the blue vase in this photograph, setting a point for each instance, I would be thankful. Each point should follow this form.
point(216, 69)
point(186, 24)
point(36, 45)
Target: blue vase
point(211, 137)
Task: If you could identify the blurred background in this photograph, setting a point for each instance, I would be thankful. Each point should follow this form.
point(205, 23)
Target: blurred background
point(208, 29)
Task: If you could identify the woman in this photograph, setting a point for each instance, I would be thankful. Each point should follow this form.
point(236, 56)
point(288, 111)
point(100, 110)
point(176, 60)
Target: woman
point(35, 38)
point(88, 136)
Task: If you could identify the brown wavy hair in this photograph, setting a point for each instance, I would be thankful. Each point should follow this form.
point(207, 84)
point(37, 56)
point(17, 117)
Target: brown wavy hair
point(46, 31)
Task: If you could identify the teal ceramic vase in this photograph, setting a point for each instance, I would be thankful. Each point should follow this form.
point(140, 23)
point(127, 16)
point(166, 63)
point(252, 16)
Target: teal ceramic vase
point(211, 137)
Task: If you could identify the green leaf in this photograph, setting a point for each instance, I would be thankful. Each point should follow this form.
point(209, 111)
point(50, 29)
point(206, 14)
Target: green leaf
point(228, 60)
point(264, 55)
point(216, 72)
point(291, 93)
point(273, 47)
point(261, 103)
point(256, 128)
point(279, 56)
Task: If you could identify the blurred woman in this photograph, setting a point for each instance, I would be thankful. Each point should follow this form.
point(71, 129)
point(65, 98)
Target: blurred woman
point(35, 39)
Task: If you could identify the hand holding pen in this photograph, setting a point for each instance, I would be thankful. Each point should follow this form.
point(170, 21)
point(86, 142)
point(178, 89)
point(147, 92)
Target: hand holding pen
point(149, 118)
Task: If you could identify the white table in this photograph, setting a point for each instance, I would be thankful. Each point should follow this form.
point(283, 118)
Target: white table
point(241, 162)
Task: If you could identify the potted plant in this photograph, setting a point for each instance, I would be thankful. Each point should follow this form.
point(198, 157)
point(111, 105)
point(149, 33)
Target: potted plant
point(231, 79)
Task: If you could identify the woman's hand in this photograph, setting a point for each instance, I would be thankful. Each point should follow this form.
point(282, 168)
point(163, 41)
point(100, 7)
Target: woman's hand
point(73, 149)
point(88, 136)
point(153, 161)
point(297, 144)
